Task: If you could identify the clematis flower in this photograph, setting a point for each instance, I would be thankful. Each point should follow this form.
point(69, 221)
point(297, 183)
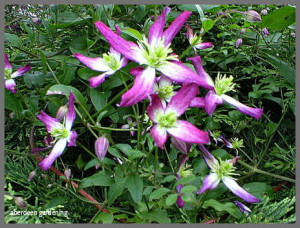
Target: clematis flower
point(101, 147)
point(217, 96)
point(181, 173)
point(130, 125)
point(164, 89)
point(166, 119)
point(155, 54)
point(243, 208)
point(266, 32)
point(109, 64)
point(10, 83)
point(216, 135)
point(238, 43)
point(264, 12)
point(223, 171)
point(193, 37)
point(61, 132)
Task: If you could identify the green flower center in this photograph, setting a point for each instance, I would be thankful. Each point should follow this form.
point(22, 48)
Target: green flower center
point(167, 120)
point(224, 84)
point(111, 61)
point(223, 169)
point(193, 40)
point(165, 92)
point(60, 133)
point(156, 54)
point(7, 73)
point(236, 144)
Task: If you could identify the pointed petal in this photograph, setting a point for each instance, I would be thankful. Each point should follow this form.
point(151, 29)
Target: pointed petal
point(176, 25)
point(7, 65)
point(57, 150)
point(73, 137)
point(254, 112)
point(239, 191)
point(21, 71)
point(155, 108)
point(124, 62)
point(164, 81)
point(49, 121)
point(96, 81)
point(127, 48)
point(198, 102)
point(159, 135)
point(132, 133)
point(208, 157)
point(93, 63)
point(211, 102)
point(243, 208)
point(204, 45)
point(210, 182)
point(181, 146)
point(178, 72)
point(141, 89)
point(190, 33)
point(196, 61)
point(227, 144)
point(187, 132)
point(10, 85)
point(156, 29)
point(70, 116)
point(182, 99)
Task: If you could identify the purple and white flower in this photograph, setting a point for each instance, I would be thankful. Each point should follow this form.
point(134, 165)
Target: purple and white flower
point(193, 37)
point(109, 64)
point(155, 53)
point(60, 132)
point(10, 83)
point(166, 119)
point(217, 96)
point(101, 147)
point(164, 89)
point(223, 171)
point(238, 42)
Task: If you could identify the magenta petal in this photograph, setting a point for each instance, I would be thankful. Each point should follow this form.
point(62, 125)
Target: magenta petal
point(176, 25)
point(73, 138)
point(7, 65)
point(178, 72)
point(155, 107)
point(239, 191)
point(96, 81)
point(180, 202)
point(136, 71)
point(200, 70)
point(49, 121)
point(21, 71)
point(187, 132)
point(181, 146)
point(141, 89)
point(127, 48)
point(210, 182)
point(159, 135)
point(182, 99)
point(57, 150)
point(198, 102)
point(190, 33)
point(70, 116)
point(156, 29)
point(211, 102)
point(204, 45)
point(254, 112)
point(10, 85)
point(93, 63)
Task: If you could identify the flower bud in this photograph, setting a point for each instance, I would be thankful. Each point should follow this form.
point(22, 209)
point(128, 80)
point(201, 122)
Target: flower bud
point(61, 112)
point(152, 18)
point(36, 20)
point(180, 202)
point(238, 43)
point(242, 31)
point(243, 208)
point(31, 175)
point(67, 173)
point(20, 202)
point(181, 146)
point(101, 146)
point(264, 12)
point(252, 16)
point(266, 32)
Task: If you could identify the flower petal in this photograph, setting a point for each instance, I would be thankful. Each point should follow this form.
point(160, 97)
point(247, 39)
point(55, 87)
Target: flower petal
point(155, 108)
point(190, 33)
point(127, 48)
point(243, 208)
point(208, 157)
point(57, 150)
point(93, 63)
point(187, 132)
point(159, 135)
point(176, 25)
point(49, 121)
point(196, 61)
point(181, 146)
point(204, 45)
point(254, 112)
point(73, 137)
point(96, 81)
point(182, 99)
point(211, 102)
point(10, 85)
point(21, 71)
point(7, 65)
point(156, 29)
point(70, 116)
point(178, 72)
point(239, 191)
point(141, 89)
point(210, 182)
point(198, 102)
point(164, 81)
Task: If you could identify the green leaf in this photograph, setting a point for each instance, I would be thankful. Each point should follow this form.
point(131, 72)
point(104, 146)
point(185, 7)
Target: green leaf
point(106, 218)
point(184, 180)
point(44, 62)
point(13, 39)
point(115, 191)
point(79, 43)
point(135, 154)
point(171, 199)
point(79, 162)
point(200, 11)
point(236, 115)
point(140, 13)
point(188, 188)
point(229, 207)
point(12, 103)
point(280, 19)
point(133, 33)
point(207, 24)
point(98, 179)
point(134, 184)
point(67, 17)
point(259, 189)
point(98, 98)
point(35, 78)
point(158, 193)
point(124, 148)
point(156, 216)
point(56, 202)
point(86, 73)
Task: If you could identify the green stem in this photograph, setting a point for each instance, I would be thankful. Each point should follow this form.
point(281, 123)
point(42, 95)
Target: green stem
point(113, 129)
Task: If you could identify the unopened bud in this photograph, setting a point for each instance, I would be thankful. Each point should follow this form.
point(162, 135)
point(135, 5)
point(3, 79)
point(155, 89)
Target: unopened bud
point(67, 173)
point(264, 12)
point(31, 175)
point(266, 32)
point(101, 146)
point(252, 16)
point(180, 202)
point(36, 20)
point(242, 31)
point(20, 202)
point(61, 112)
point(238, 43)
